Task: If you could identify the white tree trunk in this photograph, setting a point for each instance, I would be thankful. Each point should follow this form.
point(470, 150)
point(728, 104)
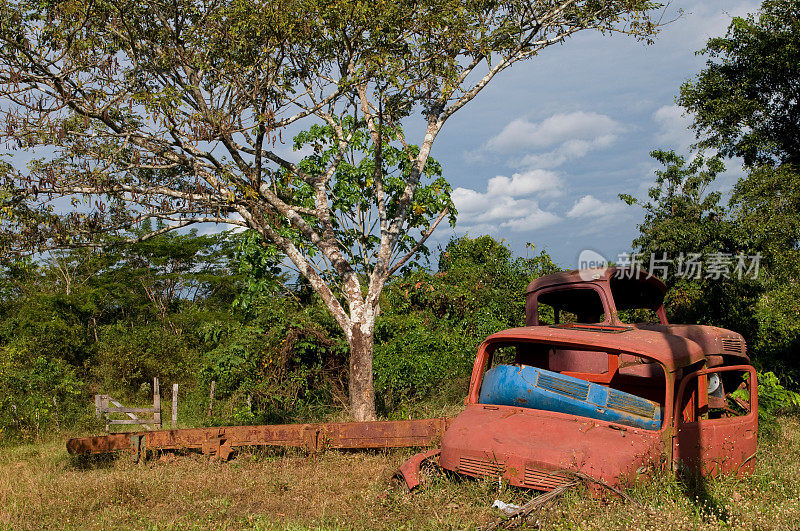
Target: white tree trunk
point(361, 340)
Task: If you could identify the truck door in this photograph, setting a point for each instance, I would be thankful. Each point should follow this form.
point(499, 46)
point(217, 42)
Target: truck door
point(716, 420)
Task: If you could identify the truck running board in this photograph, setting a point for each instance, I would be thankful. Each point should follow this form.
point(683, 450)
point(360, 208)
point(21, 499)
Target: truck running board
point(220, 442)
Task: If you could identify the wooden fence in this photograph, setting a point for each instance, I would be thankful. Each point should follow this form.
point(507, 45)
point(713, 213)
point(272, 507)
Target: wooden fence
point(104, 406)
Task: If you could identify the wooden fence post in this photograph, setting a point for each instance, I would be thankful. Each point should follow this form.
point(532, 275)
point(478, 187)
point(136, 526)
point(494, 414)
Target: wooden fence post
point(211, 399)
point(98, 405)
point(157, 403)
point(104, 407)
point(174, 406)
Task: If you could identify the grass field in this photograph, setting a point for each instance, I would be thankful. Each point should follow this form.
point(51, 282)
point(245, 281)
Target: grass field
point(42, 487)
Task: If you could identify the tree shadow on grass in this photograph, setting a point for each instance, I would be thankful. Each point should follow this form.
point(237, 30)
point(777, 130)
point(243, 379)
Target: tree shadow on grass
point(695, 487)
point(96, 461)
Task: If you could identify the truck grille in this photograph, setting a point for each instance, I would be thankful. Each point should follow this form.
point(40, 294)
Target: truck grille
point(575, 389)
point(732, 345)
point(540, 480)
point(480, 467)
point(631, 404)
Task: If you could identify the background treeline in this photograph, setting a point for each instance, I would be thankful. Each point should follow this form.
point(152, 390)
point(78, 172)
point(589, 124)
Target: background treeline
point(192, 309)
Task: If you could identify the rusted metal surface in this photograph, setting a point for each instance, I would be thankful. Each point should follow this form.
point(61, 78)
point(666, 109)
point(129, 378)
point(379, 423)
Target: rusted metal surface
point(410, 469)
point(314, 437)
point(668, 364)
point(529, 447)
point(721, 445)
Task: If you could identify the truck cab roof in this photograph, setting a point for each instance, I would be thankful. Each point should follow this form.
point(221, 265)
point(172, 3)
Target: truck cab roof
point(595, 298)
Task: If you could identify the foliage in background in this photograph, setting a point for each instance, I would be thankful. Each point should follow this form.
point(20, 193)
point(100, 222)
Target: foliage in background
point(774, 398)
point(289, 360)
point(433, 322)
point(38, 392)
point(108, 322)
point(82, 322)
point(745, 101)
point(745, 104)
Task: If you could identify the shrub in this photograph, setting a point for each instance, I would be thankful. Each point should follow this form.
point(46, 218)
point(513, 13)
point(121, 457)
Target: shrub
point(773, 397)
point(129, 357)
point(37, 392)
point(290, 360)
point(415, 356)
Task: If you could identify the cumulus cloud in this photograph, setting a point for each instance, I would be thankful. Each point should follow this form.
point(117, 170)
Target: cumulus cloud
point(512, 203)
point(522, 134)
point(569, 150)
point(556, 139)
point(506, 202)
point(526, 183)
point(477, 206)
point(536, 219)
point(673, 127)
point(589, 207)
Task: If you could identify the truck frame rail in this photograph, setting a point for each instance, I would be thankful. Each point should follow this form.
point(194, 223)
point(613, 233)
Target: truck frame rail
point(221, 441)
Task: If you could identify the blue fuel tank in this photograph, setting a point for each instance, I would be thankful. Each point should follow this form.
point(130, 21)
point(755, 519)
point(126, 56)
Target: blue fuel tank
point(530, 387)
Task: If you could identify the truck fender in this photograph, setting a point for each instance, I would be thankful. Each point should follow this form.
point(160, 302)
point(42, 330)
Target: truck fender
point(410, 469)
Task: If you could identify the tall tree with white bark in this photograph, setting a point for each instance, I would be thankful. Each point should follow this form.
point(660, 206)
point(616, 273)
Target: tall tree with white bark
point(172, 109)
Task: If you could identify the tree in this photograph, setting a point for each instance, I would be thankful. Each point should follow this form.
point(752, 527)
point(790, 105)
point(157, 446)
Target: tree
point(171, 110)
point(681, 214)
point(746, 102)
point(685, 220)
point(766, 206)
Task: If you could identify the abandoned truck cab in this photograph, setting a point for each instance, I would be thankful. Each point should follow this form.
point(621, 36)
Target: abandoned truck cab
point(579, 389)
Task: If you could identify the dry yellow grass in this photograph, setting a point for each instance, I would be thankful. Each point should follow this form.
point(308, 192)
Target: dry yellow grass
point(41, 486)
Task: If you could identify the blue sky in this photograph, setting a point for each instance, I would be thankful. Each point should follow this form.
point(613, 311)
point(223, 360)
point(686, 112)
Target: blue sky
point(541, 154)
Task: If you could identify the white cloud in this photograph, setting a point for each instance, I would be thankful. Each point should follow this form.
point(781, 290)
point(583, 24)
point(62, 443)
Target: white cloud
point(536, 219)
point(571, 149)
point(475, 206)
point(506, 204)
point(554, 140)
point(521, 134)
point(522, 184)
point(673, 128)
point(589, 206)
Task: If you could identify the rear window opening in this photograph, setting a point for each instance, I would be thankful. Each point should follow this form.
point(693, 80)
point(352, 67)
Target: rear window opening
point(636, 300)
point(573, 305)
point(611, 386)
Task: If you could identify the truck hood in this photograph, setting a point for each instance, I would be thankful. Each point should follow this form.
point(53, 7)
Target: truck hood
point(714, 341)
point(529, 447)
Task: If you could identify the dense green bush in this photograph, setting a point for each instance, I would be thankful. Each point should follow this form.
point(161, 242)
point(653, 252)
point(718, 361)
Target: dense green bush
point(773, 397)
point(129, 356)
point(52, 324)
point(415, 355)
point(777, 341)
point(289, 359)
point(37, 392)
